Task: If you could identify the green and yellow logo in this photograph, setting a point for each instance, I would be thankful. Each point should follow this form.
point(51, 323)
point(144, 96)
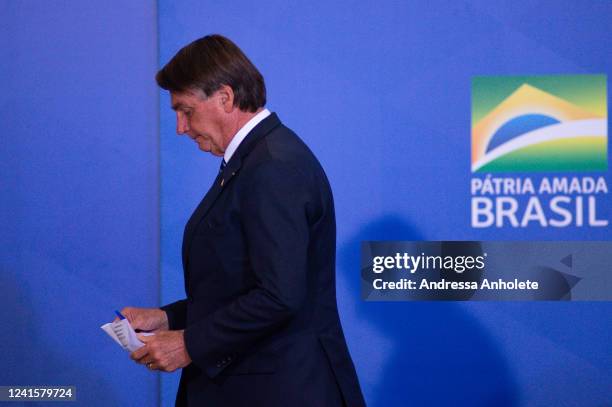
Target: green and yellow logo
point(539, 123)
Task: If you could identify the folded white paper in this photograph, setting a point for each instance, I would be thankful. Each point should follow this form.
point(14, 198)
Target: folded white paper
point(122, 332)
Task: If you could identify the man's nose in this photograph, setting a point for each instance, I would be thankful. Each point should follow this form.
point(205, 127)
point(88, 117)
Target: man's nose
point(182, 126)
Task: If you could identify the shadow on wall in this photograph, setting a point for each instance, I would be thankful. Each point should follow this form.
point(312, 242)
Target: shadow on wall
point(440, 354)
point(26, 360)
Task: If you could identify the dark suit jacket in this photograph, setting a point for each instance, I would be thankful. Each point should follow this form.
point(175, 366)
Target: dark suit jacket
point(261, 321)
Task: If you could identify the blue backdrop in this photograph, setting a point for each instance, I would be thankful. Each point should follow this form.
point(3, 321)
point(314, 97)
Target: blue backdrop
point(380, 92)
point(79, 193)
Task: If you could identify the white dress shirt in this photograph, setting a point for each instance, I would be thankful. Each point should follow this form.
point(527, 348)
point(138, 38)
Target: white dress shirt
point(242, 133)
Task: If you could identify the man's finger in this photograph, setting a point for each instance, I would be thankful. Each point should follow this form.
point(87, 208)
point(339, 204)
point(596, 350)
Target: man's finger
point(127, 313)
point(145, 338)
point(139, 353)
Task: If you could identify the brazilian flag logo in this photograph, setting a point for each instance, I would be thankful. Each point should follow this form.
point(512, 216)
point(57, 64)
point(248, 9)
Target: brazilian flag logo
point(539, 123)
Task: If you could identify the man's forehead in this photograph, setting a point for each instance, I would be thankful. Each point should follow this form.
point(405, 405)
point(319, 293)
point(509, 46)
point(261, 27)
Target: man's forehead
point(188, 98)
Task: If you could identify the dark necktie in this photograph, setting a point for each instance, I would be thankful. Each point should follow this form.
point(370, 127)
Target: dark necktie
point(222, 166)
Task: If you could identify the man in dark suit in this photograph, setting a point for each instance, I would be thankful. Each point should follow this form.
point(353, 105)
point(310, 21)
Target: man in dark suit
point(260, 325)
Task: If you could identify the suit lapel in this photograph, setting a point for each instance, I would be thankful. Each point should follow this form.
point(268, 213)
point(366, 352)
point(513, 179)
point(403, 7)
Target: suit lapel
point(199, 212)
point(224, 178)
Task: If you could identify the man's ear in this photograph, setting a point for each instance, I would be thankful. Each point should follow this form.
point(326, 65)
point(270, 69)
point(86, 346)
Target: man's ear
point(226, 98)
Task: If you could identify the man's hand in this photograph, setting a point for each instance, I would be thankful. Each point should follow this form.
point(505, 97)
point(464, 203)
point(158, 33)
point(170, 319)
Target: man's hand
point(163, 351)
point(146, 319)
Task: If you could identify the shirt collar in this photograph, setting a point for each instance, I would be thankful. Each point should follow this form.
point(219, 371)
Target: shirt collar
point(243, 132)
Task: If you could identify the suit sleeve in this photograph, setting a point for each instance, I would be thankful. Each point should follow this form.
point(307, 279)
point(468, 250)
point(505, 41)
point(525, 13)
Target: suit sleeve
point(275, 228)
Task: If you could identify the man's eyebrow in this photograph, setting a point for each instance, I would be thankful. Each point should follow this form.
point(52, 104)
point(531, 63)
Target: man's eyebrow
point(178, 105)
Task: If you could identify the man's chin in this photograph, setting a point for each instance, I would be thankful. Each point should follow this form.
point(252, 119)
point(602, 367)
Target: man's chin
point(208, 150)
